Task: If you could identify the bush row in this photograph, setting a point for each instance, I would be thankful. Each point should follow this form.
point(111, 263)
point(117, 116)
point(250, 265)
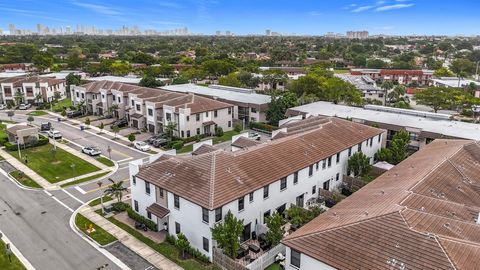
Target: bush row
point(262, 126)
point(139, 218)
point(190, 250)
point(120, 206)
point(42, 140)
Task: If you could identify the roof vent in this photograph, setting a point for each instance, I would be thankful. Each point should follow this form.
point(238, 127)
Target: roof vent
point(395, 174)
point(422, 209)
point(366, 213)
point(237, 178)
point(446, 225)
point(229, 170)
point(397, 245)
point(382, 191)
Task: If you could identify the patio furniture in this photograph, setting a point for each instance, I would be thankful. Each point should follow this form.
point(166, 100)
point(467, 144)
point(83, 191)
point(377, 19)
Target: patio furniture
point(247, 258)
point(254, 248)
point(241, 253)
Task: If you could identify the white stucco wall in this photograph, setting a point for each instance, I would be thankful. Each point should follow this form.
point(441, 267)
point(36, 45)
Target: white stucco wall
point(306, 263)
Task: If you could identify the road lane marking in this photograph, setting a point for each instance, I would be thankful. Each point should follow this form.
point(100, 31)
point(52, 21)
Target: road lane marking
point(70, 194)
point(122, 160)
point(106, 186)
point(60, 202)
point(79, 189)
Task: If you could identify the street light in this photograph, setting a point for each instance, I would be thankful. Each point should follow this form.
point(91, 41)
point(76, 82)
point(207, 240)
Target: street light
point(99, 183)
point(73, 169)
point(109, 150)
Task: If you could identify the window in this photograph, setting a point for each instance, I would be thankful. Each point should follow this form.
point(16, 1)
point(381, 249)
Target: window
point(379, 137)
point(310, 170)
point(147, 188)
point(150, 112)
point(329, 162)
point(283, 183)
point(215, 113)
point(265, 215)
point(133, 103)
point(241, 204)
point(218, 214)
point(324, 164)
point(160, 191)
point(254, 110)
point(230, 110)
point(8, 91)
point(134, 179)
point(359, 147)
point(350, 152)
point(137, 107)
point(205, 244)
point(168, 116)
point(197, 116)
point(371, 142)
point(337, 177)
point(205, 215)
point(295, 177)
point(188, 118)
point(119, 100)
point(176, 201)
point(265, 192)
point(177, 227)
point(338, 157)
point(229, 123)
point(78, 94)
point(182, 134)
point(135, 205)
point(83, 95)
point(250, 197)
point(198, 131)
point(314, 189)
point(29, 91)
point(326, 185)
point(188, 133)
point(149, 215)
point(317, 165)
point(103, 96)
point(295, 258)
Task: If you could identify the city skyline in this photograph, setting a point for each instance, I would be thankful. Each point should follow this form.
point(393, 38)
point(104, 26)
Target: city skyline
point(426, 17)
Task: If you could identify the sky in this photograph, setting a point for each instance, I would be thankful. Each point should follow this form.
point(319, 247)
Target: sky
point(305, 17)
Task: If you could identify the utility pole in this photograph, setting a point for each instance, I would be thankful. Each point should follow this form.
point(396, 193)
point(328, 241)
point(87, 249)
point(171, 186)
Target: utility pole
point(18, 147)
point(99, 183)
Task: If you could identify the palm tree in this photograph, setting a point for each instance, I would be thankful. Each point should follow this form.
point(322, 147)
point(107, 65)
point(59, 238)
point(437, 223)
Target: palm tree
point(112, 108)
point(116, 189)
point(170, 129)
point(18, 97)
point(38, 97)
point(386, 85)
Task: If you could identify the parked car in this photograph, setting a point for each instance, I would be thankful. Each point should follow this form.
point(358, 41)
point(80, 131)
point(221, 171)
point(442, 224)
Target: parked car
point(45, 126)
point(155, 137)
point(254, 136)
point(159, 142)
point(91, 151)
point(24, 106)
point(3, 106)
point(72, 114)
point(120, 123)
point(142, 146)
point(54, 134)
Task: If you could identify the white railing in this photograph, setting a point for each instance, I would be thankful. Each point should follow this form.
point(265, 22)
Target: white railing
point(267, 258)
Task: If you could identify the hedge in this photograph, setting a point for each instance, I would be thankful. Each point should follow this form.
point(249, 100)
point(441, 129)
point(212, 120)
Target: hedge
point(120, 206)
point(262, 126)
point(139, 218)
point(190, 250)
point(42, 140)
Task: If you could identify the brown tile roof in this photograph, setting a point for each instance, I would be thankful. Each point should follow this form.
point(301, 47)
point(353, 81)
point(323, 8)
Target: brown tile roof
point(214, 179)
point(158, 210)
point(422, 213)
point(243, 142)
point(203, 149)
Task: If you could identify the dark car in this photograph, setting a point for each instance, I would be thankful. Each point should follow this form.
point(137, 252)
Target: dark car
point(46, 126)
point(72, 114)
point(120, 123)
point(159, 142)
point(155, 137)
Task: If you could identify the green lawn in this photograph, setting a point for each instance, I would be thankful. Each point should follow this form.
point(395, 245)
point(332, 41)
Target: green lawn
point(54, 168)
point(58, 107)
point(5, 263)
point(166, 249)
point(185, 149)
point(274, 266)
point(24, 179)
point(81, 180)
point(106, 161)
point(37, 113)
point(227, 136)
point(3, 133)
point(99, 235)
point(97, 201)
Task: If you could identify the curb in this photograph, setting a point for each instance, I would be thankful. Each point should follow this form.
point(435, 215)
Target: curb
point(17, 252)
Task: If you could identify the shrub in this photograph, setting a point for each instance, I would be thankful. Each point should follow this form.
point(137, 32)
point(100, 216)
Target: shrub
point(177, 145)
point(170, 239)
point(139, 218)
point(262, 126)
point(218, 131)
point(10, 146)
point(120, 206)
point(237, 127)
point(195, 138)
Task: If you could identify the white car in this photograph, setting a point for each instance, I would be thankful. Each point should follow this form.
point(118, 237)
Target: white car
point(24, 106)
point(254, 136)
point(3, 106)
point(91, 151)
point(54, 134)
point(142, 146)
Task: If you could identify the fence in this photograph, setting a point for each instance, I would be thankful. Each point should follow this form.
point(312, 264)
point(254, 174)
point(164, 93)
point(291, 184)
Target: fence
point(226, 262)
point(267, 258)
point(353, 183)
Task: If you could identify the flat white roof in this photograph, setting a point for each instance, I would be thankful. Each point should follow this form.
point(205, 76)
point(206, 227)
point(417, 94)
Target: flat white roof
point(132, 80)
point(10, 74)
point(244, 97)
point(453, 82)
point(446, 127)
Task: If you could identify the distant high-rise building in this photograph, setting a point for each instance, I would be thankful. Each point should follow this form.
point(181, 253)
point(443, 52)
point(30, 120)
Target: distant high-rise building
point(228, 33)
point(218, 33)
point(268, 32)
point(357, 34)
point(11, 29)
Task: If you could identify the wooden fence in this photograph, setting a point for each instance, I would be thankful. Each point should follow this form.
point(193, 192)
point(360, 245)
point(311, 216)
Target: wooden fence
point(226, 262)
point(267, 258)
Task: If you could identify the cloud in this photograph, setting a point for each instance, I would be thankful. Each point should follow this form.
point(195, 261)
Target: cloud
point(349, 6)
point(315, 13)
point(169, 5)
point(105, 10)
point(393, 7)
point(363, 8)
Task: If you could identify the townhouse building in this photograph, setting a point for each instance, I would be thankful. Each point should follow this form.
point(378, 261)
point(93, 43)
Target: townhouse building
point(422, 214)
point(366, 85)
point(400, 76)
point(191, 194)
point(31, 89)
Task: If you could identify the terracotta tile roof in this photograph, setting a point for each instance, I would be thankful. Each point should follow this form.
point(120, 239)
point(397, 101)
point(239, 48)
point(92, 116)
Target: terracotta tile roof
point(203, 149)
point(216, 178)
point(243, 142)
point(422, 213)
point(158, 210)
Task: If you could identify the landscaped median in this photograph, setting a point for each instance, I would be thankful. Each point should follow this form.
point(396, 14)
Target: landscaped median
point(99, 235)
point(23, 179)
point(85, 179)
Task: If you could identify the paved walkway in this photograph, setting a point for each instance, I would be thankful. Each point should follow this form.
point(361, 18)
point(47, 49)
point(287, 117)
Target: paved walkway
point(137, 246)
point(80, 155)
point(26, 170)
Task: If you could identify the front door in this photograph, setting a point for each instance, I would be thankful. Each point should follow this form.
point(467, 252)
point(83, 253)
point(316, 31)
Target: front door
point(135, 123)
point(300, 201)
point(326, 185)
point(246, 232)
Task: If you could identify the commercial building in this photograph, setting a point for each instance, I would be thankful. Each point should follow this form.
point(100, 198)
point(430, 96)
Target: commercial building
point(422, 214)
point(190, 194)
point(400, 76)
point(357, 34)
point(423, 127)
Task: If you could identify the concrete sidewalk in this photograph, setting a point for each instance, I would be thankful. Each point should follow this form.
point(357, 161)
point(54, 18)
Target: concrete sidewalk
point(137, 246)
point(79, 154)
point(27, 171)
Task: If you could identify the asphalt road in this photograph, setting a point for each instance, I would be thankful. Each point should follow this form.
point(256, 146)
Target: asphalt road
point(37, 222)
